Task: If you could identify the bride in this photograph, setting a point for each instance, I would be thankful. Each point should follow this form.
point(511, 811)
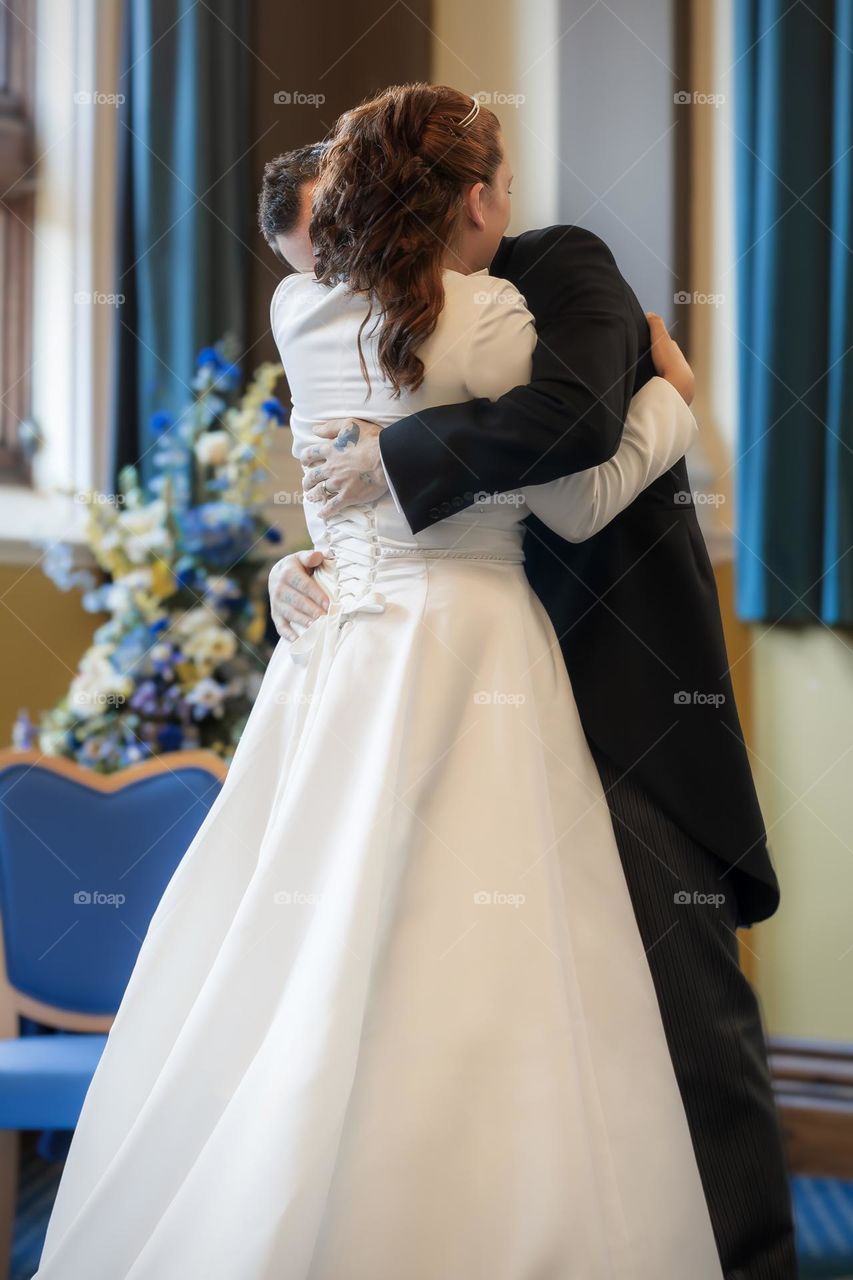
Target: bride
point(392, 1019)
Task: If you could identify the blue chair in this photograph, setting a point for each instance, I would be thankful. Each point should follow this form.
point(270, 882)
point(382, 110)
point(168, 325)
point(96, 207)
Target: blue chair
point(84, 860)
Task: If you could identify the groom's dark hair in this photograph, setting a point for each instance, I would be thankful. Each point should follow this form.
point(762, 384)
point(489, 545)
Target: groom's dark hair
point(284, 177)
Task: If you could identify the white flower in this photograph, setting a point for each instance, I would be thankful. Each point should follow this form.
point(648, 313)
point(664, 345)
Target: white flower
point(219, 588)
point(208, 646)
point(212, 448)
point(138, 579)
point(95, 656)
point(193, 620)
point(108, 540)
point(207, 696)
point(52, 741)
point(97, 685)
point(118, 596)
point(145, 531)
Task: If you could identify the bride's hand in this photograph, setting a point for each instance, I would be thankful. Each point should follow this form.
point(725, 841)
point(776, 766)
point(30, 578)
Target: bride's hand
point(347, 470)
point(669, 359)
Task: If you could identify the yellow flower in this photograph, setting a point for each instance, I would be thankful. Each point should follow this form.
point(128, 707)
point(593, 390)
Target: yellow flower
point(162, 580)
point(256, 628)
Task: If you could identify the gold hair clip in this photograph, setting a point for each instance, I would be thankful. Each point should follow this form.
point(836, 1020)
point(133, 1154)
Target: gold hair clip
point(471, 116)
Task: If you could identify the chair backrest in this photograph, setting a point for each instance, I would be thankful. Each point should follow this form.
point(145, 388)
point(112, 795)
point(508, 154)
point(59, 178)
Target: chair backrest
point(813, 1080)
point(84, 861)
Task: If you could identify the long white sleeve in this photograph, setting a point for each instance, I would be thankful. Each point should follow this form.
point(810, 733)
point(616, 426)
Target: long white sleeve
point(659, 429)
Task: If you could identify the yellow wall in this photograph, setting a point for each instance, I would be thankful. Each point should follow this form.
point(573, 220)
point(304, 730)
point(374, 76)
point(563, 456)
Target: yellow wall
point(794, 690)
point(504, 53)
point(803, 739)
point(44, 633)
point(738, 645)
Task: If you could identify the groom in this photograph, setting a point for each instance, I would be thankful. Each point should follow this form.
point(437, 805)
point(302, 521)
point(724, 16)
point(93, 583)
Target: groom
point(636, 612)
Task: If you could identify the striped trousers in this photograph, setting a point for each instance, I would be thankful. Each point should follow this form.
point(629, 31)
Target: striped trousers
point(714, 1029)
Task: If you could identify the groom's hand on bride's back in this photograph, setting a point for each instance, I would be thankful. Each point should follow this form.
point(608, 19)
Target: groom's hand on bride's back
point(295, 598)
point(346, 470)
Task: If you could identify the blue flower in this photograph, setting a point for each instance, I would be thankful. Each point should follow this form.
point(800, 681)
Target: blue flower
point(187, 578)
point(162, 666)
point(229, 376)
point(58, 564)
point(208, 356)
point(170, 737)
point(273, 408)
point(160, 422)
point(219, 532)
point(212, 363)
point(144, 699)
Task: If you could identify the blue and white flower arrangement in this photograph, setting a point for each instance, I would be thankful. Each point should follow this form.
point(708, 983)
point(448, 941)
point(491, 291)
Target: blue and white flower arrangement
point(185, 560)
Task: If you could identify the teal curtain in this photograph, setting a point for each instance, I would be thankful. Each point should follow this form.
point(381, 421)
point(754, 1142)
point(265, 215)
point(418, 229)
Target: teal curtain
point(185, 204)
point(794, 117)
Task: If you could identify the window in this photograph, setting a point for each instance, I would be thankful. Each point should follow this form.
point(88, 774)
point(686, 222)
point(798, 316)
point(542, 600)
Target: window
point(17, 90)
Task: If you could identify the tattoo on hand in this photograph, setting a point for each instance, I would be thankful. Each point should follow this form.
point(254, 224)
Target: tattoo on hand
point(348, 436)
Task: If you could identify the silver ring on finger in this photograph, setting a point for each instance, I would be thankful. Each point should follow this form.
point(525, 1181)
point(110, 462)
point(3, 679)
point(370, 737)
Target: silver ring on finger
point(327, 493)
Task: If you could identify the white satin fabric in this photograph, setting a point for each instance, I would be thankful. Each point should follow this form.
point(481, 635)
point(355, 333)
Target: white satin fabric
point(393, 1019)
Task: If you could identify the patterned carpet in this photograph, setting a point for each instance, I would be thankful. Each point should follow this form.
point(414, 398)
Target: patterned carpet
point(823, 1208)
point(824, 1216)
point(39, 1180)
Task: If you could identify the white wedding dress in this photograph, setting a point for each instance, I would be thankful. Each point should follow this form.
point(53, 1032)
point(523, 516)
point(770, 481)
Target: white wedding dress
point(393, 1019)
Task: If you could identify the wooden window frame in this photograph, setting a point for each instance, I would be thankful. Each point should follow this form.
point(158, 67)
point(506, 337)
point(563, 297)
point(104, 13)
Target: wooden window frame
point(17, 211)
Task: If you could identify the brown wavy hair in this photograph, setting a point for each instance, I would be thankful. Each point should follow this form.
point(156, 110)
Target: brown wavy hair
point(388, 204)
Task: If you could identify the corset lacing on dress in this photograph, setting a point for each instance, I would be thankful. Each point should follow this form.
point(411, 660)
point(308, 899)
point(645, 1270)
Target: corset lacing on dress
point(356, 549)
